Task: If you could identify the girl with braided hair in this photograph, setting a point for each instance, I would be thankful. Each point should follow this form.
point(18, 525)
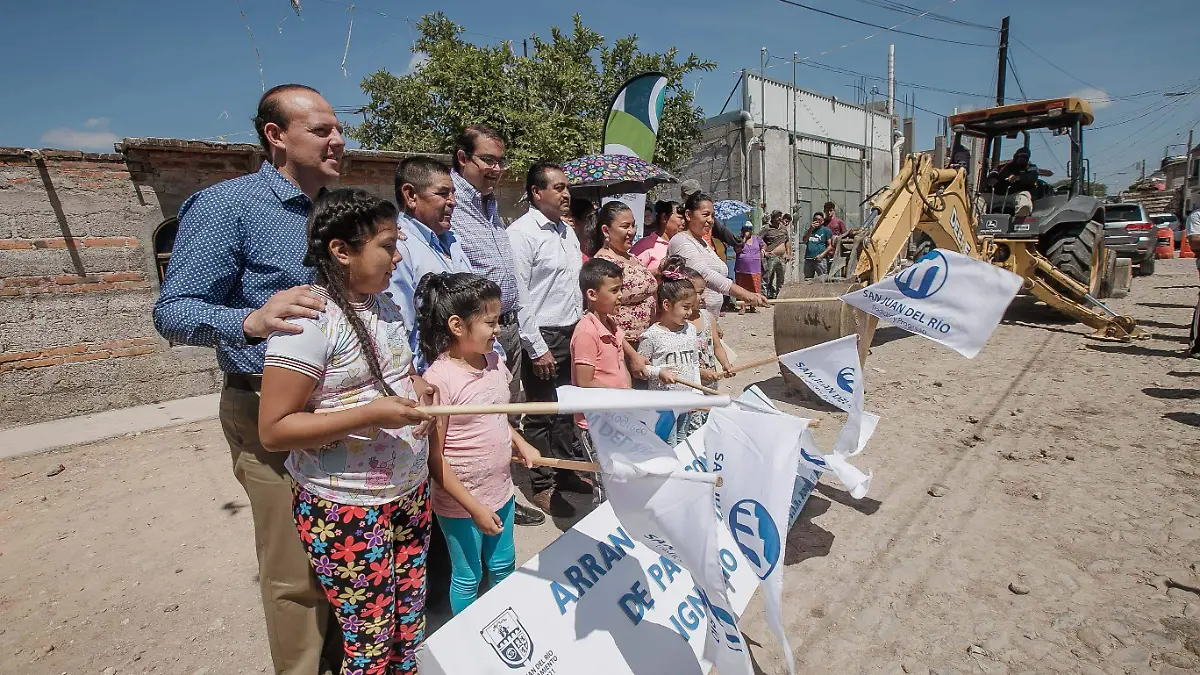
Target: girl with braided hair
point(341, 396)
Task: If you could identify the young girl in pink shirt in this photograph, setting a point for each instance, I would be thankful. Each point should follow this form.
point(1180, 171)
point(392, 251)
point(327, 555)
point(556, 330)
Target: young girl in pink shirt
point(459, 319)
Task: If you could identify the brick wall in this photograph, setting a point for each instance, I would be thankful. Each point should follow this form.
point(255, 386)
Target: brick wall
point(78, 273)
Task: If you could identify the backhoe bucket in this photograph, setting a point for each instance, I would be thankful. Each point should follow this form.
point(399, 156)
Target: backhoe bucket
point(800, 325)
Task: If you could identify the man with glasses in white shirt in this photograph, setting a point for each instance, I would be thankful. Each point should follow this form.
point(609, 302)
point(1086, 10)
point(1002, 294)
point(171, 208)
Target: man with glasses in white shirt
point(547, 258)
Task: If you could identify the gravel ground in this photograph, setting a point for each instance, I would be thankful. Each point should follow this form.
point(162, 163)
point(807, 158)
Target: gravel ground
point(1034, 510)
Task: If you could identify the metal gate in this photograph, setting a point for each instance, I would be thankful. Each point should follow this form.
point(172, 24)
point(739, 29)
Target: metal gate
point(824, 178)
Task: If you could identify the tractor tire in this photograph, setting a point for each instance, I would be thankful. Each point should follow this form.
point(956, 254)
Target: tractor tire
point(1146, 267)
point(1071, 251)
point(1108, 281)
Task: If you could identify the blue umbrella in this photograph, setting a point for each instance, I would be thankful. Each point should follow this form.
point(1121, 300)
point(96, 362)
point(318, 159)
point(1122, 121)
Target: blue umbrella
point(729, 208)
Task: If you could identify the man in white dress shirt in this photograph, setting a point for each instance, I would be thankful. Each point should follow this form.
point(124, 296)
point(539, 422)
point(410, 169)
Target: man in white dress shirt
point(547, 258)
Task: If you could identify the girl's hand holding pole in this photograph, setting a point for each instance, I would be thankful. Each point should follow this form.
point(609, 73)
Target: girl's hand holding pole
point(487, 521)
point(427, 394)
point(393, 412)
point(525, 452)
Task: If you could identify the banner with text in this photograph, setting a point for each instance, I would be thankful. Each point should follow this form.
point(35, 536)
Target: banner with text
point(594, 601)
point(675, 517)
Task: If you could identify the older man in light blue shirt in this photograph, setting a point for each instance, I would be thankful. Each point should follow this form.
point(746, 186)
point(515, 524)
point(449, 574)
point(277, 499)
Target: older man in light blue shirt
point(425, 194)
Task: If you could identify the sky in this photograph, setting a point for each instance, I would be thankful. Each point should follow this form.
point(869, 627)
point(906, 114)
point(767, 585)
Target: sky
point(95, 72)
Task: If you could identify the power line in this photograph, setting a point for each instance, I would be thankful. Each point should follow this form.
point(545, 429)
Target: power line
point(875, 25)
point(1013, 67)
point(1049, 151)
point(1149, 126)
point(1055, 65)
point(914, 85)
point(402, 18)
point(915, 11)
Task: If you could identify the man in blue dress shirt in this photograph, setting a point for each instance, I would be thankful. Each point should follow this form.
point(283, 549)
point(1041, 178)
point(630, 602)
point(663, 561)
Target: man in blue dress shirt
point(235, 277)
point(425, 195)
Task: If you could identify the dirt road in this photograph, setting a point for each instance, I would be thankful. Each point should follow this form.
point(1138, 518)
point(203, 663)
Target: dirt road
point(1034, 510)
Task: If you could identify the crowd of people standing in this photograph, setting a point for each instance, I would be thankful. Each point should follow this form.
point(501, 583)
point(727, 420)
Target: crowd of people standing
point(336, 314)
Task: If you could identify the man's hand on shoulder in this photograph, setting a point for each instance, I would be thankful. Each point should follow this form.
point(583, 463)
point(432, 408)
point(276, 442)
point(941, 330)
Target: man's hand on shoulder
point(298, 301)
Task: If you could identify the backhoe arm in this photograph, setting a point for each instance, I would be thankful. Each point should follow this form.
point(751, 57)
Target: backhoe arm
point(923, 198)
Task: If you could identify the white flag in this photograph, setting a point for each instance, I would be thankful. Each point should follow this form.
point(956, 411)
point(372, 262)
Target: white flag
point(834, 372)
point(946, 297)
point(813, 460)
point(675, 517)
point(761, 455)
point(831, 369)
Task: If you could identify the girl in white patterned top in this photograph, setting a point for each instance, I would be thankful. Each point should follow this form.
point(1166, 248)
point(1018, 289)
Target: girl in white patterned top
point(341, 395)
point(670, 344)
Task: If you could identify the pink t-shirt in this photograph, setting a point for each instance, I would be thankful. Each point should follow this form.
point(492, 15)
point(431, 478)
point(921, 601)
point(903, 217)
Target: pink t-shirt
point(478, 447)
point(594, 344)
point(651, 250)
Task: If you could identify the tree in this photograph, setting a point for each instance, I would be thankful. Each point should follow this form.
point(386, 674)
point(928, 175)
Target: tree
point(549, 105)
point(1093, 189)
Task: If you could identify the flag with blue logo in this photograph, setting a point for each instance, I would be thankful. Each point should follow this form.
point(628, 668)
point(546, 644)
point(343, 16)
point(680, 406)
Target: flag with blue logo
point(673, 514)
point(946, 297)
point(833, 371)
point(761, 454)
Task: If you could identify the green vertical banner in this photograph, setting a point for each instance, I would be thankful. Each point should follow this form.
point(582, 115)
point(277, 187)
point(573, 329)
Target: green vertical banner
point(631, 128)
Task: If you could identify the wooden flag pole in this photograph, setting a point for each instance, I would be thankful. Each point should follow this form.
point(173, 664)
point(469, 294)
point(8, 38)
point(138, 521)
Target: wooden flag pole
point(792, 301)
point(549, 408)
point(699, 387)
point(789, 301)
point(593, 467)
point(753, 364)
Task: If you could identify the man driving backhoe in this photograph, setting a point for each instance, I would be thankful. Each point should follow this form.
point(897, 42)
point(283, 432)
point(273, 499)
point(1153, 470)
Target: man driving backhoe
point(1019, 178)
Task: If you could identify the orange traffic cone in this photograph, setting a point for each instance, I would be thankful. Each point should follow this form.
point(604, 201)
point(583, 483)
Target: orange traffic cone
point(1165, 245)
point(1185, 251)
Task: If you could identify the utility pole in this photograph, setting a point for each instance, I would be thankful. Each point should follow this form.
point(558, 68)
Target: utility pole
point(1001, 73)
point(1185, 196)
point(891, 103)
point(791, 203)
point(762, 129)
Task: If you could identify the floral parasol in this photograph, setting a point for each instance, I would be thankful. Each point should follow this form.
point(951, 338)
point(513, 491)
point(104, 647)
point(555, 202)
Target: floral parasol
point(606, 175)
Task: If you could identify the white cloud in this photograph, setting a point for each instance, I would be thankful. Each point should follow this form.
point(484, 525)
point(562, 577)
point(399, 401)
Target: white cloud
point(1097, 97)
point(417, 60)
point(94, 136)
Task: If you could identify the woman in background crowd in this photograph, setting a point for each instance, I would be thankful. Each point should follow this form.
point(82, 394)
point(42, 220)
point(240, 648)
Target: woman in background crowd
point(690, 245)
point(651, 250)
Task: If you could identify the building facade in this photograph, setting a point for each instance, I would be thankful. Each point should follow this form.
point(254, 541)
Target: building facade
point(794, 150)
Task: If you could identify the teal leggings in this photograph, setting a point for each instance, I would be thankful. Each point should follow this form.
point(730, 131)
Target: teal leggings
point(471, 551)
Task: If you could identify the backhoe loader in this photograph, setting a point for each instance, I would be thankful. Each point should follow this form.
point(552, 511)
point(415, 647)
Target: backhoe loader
point(934, 202)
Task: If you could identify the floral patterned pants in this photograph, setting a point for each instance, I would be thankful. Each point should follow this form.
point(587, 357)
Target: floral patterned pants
point(371, 562)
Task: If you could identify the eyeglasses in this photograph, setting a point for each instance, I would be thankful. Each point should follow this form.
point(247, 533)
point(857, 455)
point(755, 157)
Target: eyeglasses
point(491, 162)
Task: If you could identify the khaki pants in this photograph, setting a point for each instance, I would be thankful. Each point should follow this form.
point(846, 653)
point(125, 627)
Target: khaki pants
point(1022, 203)
point(293, 602)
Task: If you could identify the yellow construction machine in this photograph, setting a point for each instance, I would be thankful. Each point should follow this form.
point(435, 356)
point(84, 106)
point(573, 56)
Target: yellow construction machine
point(1058, 248)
